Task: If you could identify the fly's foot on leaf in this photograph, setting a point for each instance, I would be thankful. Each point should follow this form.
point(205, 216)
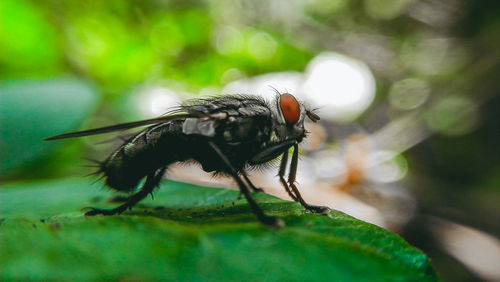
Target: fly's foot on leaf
point(257, 190)
point(95, 211)
point(318, 209)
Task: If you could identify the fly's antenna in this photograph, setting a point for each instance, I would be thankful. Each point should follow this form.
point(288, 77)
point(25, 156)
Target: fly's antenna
point(312, 116)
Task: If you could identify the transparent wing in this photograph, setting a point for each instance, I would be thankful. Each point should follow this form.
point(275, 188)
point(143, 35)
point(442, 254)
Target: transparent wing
point(121, 126)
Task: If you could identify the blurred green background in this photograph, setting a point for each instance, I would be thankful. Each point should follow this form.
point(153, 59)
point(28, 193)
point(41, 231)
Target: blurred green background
point(423, 86)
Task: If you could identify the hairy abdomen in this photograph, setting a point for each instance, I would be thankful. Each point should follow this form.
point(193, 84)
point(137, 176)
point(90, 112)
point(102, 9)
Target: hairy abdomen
point(143, 154)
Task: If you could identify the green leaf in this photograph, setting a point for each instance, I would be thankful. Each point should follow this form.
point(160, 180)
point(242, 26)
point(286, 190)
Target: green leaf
point(33, 109)
point(190, 233)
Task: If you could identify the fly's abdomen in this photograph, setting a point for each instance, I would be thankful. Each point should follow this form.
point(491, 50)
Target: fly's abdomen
point(142, 154)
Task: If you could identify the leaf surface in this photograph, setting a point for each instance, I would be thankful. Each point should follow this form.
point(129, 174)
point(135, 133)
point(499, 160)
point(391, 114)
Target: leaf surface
point(190, 232)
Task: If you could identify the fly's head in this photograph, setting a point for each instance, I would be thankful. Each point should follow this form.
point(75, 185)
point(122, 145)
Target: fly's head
point(289, 118)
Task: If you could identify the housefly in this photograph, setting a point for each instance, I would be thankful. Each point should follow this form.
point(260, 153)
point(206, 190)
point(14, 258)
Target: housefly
point(226, 135)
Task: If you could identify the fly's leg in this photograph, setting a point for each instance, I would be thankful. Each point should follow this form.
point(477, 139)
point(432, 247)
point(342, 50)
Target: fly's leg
point(252, 187)
point(250, 184)
point(244, 189)
point(152, 181)
point(281, 175)
point(290, 187)
point(291, 181)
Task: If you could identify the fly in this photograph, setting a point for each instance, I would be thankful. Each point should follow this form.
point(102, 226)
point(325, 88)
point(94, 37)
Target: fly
point(226, 135)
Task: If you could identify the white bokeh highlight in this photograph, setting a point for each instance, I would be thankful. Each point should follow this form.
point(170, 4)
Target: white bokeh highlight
point(154, 101)
point(341, 86)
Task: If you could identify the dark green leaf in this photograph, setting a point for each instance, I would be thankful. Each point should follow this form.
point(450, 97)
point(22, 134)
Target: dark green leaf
point(190, 233)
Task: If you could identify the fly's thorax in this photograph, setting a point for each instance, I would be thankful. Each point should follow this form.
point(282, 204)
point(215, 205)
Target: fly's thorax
point(231, 119)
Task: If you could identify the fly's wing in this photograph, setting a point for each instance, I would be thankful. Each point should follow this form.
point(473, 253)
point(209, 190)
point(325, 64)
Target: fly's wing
point(122, 126)
point(201, 115)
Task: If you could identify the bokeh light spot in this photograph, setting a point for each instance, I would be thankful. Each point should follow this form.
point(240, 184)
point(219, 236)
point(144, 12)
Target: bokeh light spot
point(326, 7)
point(453, 116)
point(230, 75)
point(385, 9)
point(166, 38)
point(408, 94)
point(433, 56)
point(343, 87)
point(229, 40)
point(386, 166)
point(154, 101)
point(88, 37)
point(262, 46)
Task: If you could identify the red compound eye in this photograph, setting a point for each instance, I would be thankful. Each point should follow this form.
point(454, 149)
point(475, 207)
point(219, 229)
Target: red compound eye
point(290, 108)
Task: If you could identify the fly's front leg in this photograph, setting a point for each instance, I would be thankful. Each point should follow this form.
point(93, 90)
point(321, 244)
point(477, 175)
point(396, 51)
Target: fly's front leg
point(291, 181)
point(271, 152)
point(152, 181)
point(281, 175)
point(244, 189)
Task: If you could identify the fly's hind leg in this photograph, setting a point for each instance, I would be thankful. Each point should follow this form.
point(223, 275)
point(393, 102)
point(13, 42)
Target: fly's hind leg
point(294, 193)
point(152, 181)
point(245, 190)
